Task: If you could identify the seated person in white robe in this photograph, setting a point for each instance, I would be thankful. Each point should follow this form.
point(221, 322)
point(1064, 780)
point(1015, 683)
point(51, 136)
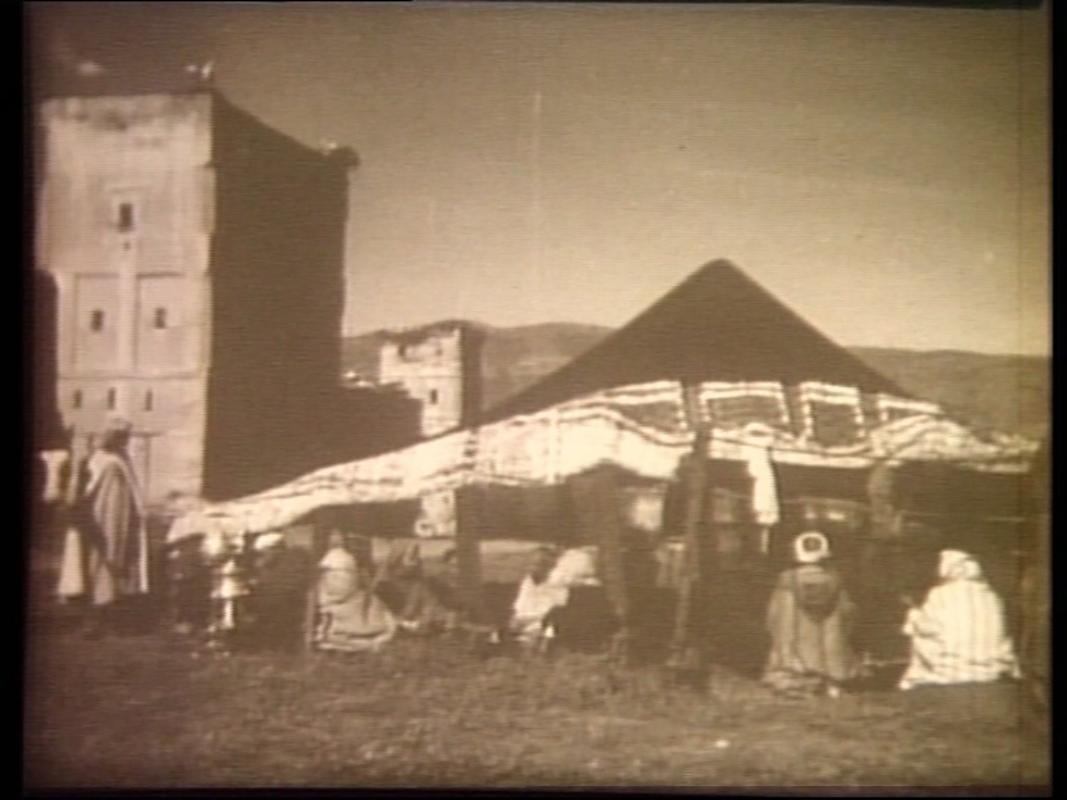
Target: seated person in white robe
point(959, 634)
point(585, 621)
point(537, 597)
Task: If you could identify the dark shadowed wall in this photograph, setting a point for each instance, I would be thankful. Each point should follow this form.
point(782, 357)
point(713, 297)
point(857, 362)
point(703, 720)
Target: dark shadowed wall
point(47, 424)
point(278, 294)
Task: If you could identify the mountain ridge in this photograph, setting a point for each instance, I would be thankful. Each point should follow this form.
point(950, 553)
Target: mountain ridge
point(1005, 392)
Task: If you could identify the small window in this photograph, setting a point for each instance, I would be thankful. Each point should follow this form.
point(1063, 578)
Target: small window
point(402, 351)
point(433, 397)
point(110, 399)
point(76, 399)
point(96, 321)
point(159, 319)
point(125, 219)
point(148, 400)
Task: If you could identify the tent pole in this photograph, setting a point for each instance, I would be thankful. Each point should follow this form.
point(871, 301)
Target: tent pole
point(686, 659)
point(599, 523)
point(318, 548)
point(469, 553)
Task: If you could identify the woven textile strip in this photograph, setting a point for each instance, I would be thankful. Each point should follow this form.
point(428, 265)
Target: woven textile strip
point(730, 406)
point(891, 409)
point(833, 416)
point(639, 428)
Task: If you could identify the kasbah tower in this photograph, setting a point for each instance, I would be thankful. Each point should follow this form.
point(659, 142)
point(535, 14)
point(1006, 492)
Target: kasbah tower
point(197, 257)
point(440, 367)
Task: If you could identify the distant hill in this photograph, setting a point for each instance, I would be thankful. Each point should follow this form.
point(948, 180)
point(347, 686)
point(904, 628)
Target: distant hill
point(1007, 393)
point(1003, 392)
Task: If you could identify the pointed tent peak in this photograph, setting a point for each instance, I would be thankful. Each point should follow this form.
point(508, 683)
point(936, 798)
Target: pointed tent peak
point(716, 325)
point(720, 266)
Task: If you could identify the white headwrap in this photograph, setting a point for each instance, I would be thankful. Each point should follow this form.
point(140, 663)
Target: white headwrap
point(811, 547)
point(958, 565)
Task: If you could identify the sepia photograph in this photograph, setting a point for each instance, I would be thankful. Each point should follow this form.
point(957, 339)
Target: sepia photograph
point(477, 395)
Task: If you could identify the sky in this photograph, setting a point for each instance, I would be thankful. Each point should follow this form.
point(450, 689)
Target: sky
point(884, 171)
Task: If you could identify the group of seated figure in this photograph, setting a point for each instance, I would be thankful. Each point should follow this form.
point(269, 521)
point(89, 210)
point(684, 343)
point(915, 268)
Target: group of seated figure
point(255, 595)
point(259, 597)
point(957, 635)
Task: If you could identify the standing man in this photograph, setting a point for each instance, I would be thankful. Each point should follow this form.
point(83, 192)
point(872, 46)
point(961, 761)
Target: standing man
point(112, 520)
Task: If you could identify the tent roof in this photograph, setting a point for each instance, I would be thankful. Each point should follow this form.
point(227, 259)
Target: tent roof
point(718, 324)
point(715, 326)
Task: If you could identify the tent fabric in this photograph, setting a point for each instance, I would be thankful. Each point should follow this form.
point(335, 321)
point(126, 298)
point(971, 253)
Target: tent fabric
point(547, 447)
point(717, 325)
point(535, 449)
point(622, 403)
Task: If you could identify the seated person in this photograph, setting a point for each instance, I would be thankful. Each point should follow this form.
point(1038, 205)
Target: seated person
point(958, 635)
point(415, 600)
point(536, 599)
point(809, 618)
point(585, 620)
point(350, 617)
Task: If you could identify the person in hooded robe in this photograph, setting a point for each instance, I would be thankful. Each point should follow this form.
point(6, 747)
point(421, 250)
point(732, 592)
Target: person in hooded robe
point(809, 618)
point(110, 515)
point(958, 635)
point(415, 600)
point(351, 618)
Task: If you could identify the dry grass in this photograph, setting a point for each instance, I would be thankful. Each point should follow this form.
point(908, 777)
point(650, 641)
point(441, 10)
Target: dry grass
point(148, 712)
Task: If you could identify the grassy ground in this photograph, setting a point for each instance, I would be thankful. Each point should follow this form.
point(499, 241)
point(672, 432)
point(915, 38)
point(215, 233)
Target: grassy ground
point(148, 711)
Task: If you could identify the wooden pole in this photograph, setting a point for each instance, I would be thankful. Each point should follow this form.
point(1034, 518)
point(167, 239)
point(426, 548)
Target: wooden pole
point(597, 517)
point(685, 655)
point(469, 553)
point(318, 548)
